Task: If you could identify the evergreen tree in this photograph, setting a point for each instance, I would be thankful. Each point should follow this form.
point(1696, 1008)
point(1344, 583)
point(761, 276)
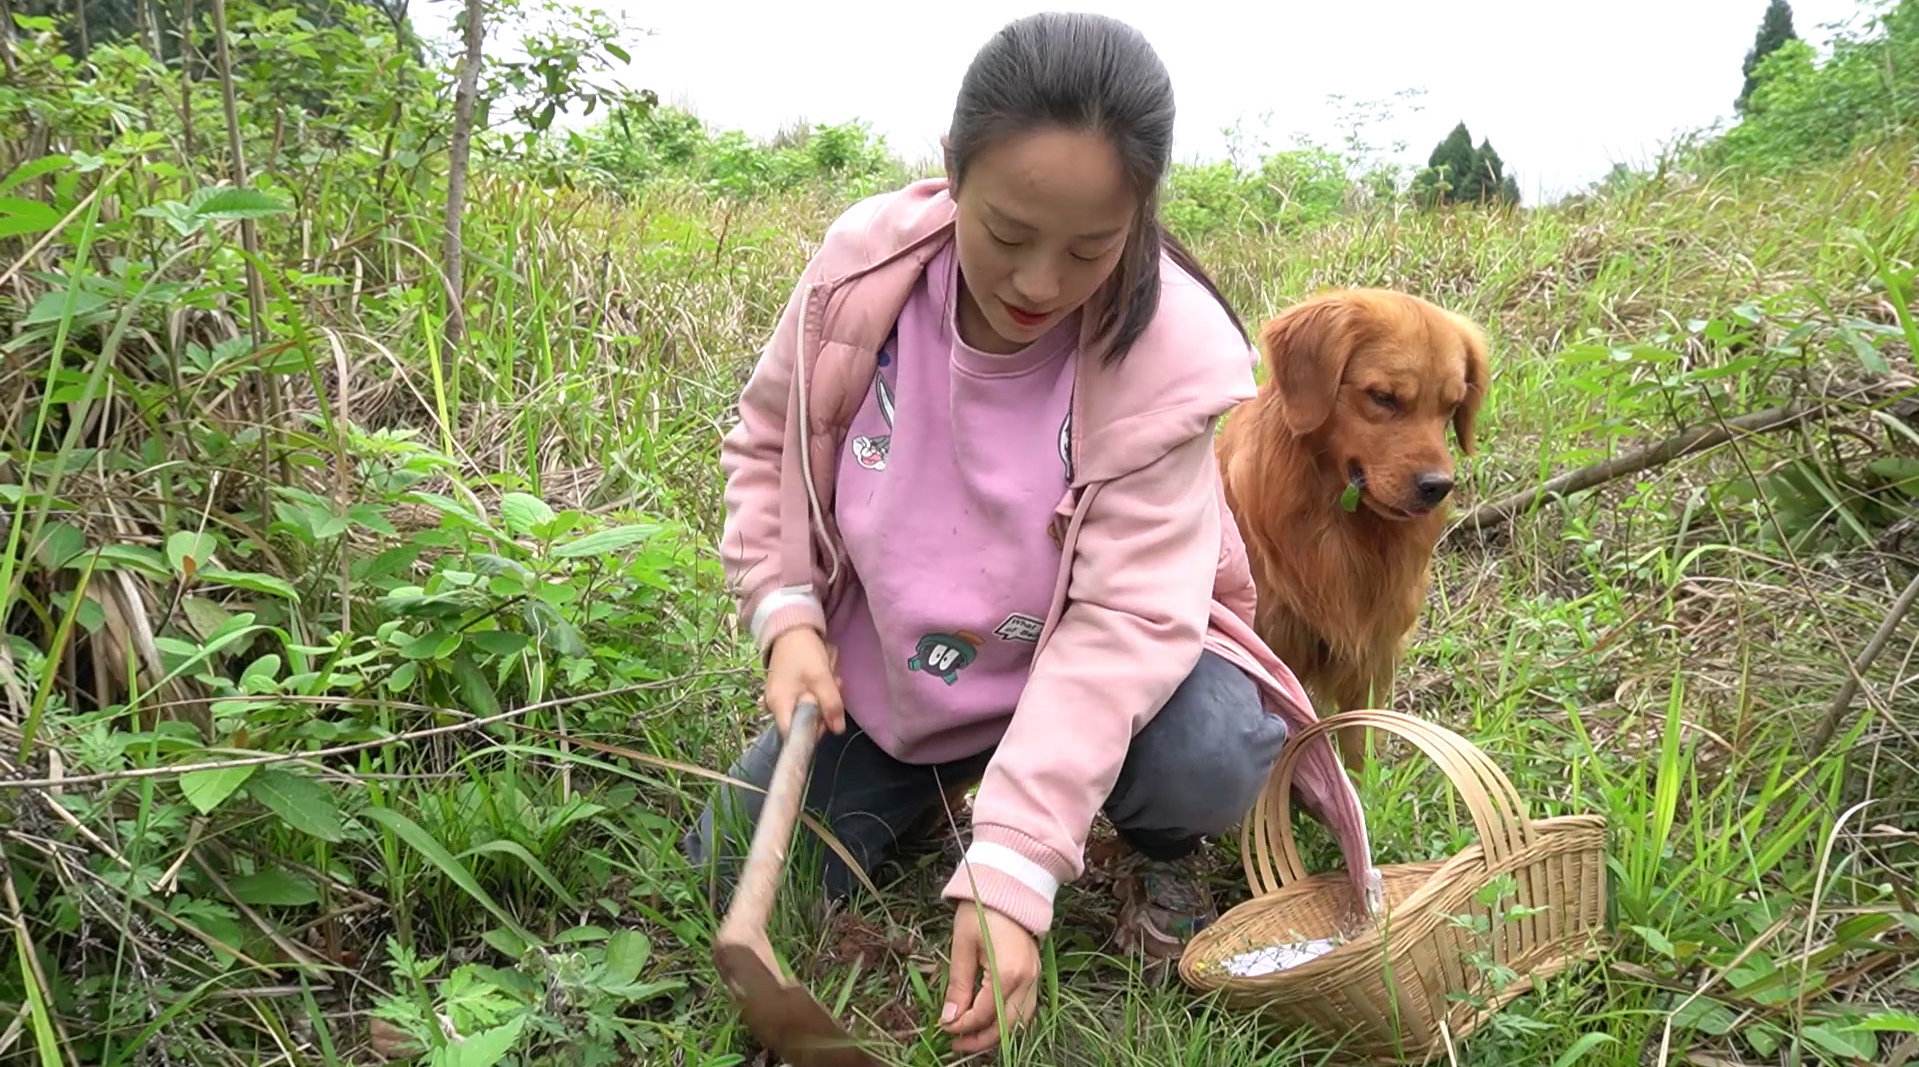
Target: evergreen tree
point(1453, 158)
point(1450, 164)
point(1458, 173)
point(1488, 171)
point(1775, 29)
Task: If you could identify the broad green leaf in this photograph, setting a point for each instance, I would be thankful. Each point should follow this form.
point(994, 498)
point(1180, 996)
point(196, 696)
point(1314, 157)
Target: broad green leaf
point(497, 642)
point(211, 917)
point(59, 543)
point(132, 557)
point(434, 644)
point(183, 545)
point(300, 802)
point(1755, 970)
point(179, 217)
point(474, 689)
point(493, 563)
point(553, 629)
point(1899, 1022)
point(402, 676)
point(52, 307)
point(32, 169)
point(1858, 931)
point(566, 522)
point(262, 675)
point(90, 615)
point(505, 942)
point(240, 203)
point(601, 542)
point(253, 583)
point(276, 888)
point(203, 615)
point(451, 508)
point(1655, 940)
point(206, 789)
point(1843, 1040)
point(1901, 471)
point(524, 513)
point(372, 517)
point(1869, 357)
point(19, 217)
point(1705, 1015)
point(428, 846)
point(580, 935)
point(626, 953)
point(484, 1049)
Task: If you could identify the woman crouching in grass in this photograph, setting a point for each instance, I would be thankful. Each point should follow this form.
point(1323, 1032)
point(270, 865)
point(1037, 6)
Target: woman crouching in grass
point(973, 513)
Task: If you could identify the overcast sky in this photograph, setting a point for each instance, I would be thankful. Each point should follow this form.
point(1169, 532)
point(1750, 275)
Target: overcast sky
point(1564, 88)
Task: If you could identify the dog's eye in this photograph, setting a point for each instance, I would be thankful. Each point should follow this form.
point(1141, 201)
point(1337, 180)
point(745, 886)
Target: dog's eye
point(1384, 399)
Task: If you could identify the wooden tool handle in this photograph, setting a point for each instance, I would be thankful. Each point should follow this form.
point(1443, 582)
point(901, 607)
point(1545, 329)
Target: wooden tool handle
point(766, 859)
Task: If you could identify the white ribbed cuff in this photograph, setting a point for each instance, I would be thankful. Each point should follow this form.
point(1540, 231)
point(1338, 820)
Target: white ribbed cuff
point(1005, 860)
point(776, 600)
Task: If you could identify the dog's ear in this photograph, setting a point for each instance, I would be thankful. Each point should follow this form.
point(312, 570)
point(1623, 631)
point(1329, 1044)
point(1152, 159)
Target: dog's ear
point(1306, 350)
point(1478, 377)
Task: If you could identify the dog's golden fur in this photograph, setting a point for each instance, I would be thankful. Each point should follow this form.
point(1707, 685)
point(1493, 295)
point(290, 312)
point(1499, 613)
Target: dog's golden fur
point(1362, 385)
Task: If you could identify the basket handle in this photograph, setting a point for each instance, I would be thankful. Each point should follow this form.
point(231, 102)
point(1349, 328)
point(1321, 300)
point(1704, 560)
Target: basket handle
point(1499, 816)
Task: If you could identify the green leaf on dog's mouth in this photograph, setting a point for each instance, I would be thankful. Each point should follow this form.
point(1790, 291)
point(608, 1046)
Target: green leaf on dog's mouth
point(1349, 497)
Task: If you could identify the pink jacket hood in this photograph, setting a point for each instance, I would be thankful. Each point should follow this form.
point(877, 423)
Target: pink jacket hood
point(1152, 574)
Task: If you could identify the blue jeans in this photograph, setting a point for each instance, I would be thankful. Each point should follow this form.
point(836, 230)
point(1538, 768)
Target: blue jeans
point(1194, 770)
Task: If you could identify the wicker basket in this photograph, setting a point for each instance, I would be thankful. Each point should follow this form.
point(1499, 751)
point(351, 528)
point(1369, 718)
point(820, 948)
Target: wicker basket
point(1403, 984)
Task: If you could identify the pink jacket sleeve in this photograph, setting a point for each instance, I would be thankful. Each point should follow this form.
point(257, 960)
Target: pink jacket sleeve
point(1141, 591)
point(751, 456)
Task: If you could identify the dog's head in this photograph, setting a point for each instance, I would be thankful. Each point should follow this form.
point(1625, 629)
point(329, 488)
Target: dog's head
point(1372, 378)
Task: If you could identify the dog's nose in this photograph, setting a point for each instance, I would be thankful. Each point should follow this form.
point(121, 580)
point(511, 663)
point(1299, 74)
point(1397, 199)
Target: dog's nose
point(1432, 488)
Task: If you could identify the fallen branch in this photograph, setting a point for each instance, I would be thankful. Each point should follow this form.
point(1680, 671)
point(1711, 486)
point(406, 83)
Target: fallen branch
point(1699, 438)
point(1836, 711)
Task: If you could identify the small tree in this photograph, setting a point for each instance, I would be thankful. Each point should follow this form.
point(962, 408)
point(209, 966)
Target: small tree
point(1455, 155)
point(1449, 165)
point(1458, 173)
point(1775, 29)
point(1488, 172)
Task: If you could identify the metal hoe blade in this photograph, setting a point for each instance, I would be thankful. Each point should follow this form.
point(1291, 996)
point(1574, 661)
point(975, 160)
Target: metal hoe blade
point(781, 1013)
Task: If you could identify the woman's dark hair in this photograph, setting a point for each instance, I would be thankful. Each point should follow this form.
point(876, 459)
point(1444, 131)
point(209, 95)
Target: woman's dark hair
point(1085, 72)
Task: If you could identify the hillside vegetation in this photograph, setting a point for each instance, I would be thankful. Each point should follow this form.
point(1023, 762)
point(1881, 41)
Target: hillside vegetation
point(359, 670)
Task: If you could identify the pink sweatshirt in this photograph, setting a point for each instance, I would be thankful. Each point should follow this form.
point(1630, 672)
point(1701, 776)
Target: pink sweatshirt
point(946, 490)
point(1150, 569)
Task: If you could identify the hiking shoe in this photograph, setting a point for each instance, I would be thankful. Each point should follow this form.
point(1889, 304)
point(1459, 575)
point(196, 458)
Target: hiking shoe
point(1162, 904)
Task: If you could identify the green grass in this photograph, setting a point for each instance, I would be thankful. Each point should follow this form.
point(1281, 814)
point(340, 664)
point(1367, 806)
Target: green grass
point(529, 524)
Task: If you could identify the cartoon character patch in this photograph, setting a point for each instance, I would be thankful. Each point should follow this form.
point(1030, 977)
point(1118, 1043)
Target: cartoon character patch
point(1018, 627)
point(944, 655)
point(870, 450)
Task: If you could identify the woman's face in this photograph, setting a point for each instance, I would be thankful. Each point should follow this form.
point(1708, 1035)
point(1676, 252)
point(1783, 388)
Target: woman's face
point(1042, 219)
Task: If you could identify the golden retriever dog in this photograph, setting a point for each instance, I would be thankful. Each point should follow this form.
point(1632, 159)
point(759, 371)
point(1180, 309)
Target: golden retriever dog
point(1337, 473)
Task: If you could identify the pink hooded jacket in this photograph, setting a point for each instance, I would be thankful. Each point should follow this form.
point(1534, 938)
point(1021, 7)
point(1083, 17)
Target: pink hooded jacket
point(1153, 570)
